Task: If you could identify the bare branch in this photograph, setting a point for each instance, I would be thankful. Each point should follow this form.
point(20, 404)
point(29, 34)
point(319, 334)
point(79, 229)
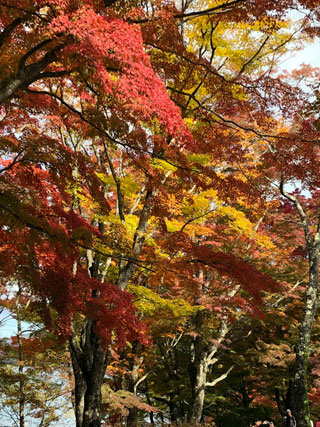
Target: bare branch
point(221, 378)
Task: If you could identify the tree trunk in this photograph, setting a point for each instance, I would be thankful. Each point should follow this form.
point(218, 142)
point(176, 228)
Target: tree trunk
point(22, 400)
point(198, 369)
point(203, 356)
point(198, 391)
point(133, 416)
point(285, 401)
point(301, 409)
point(89, 362)
point(126, 271)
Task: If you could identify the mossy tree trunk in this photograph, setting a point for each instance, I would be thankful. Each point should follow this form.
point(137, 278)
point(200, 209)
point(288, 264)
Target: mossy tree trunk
point(301, 408)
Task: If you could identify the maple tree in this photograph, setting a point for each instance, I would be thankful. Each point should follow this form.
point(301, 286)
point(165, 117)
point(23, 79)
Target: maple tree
point(110, 185)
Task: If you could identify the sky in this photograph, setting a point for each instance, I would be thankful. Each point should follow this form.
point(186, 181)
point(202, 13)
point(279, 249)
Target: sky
point(310, 55)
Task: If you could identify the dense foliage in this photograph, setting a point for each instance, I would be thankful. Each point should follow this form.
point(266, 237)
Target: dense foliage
point(159, 199)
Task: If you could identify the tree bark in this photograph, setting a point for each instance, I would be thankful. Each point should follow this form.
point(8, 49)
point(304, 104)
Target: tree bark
point(27, 74)
point(301, 409)
point(127, 270)
point(198, 391)
point(22, 399)
point(198, 369)
point(89, 362)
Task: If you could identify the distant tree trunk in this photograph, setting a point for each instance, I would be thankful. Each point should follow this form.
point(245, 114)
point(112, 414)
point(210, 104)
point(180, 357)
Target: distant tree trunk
point(285, 401)
point(22, 400)
point(130, 383)
point(301, 409)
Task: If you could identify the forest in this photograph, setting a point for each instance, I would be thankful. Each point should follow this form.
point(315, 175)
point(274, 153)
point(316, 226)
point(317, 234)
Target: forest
point(159, 213)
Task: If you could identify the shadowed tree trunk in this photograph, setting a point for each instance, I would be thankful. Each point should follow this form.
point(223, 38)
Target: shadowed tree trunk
point(285, 400)
point(89, 363)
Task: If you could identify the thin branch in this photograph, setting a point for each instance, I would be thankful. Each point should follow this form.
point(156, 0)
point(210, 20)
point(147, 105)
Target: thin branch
point(14, 162)
point(213, 48)
point(197, 217)
point(222, 8)
point(105, 133)
point(233, 125)
point(280, 299)
point(244, 66)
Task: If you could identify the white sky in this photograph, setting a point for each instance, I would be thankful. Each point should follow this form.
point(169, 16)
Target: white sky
point(310, 55)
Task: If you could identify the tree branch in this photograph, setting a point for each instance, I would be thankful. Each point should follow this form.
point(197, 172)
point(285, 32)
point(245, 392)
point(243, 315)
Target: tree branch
point(222, 8)
point(27, 74)
point(195, 218)
point(301, 212)
point(8, 30)
point(216, 10)
point(244, 66)
point(14, 161)
point(31, 52)
point(28, 223)
point(221, 378)
point(117, 182)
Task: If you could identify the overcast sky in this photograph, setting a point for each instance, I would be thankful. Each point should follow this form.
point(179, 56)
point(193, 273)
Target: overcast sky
point(309, 55)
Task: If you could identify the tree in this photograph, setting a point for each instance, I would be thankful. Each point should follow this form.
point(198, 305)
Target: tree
point(55, 34)
point(305, 207)
point(35, 376)
point(96, 160)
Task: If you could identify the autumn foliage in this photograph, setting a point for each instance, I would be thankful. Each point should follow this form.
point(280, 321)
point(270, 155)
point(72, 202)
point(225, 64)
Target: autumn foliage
point(159, 198)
